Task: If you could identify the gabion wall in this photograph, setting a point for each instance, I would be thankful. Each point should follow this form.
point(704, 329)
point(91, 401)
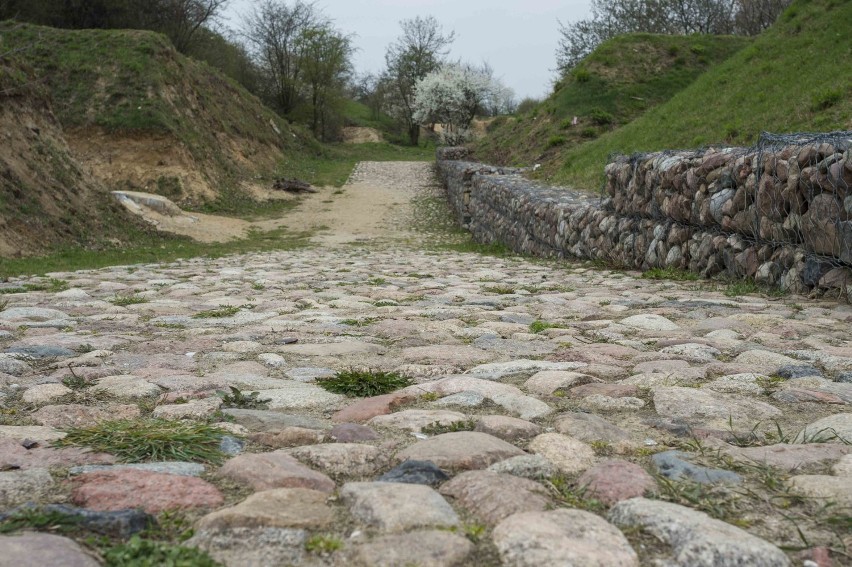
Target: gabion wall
point(780, 212)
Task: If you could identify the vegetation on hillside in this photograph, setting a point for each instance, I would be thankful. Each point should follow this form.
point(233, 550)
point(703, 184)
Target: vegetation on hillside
point(796, 76)
point(46, 198)
point(611, 18)
point(133, 83)
point(623, 78)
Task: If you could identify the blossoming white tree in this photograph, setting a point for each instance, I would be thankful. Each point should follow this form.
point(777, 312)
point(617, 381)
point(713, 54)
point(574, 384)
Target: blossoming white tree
point(453, 94)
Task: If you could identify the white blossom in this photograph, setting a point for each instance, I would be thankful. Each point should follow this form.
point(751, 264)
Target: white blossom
point(454, 93)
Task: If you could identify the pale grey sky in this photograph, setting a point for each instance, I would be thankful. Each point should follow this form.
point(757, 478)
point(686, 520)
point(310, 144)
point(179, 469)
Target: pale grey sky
point(516, 37)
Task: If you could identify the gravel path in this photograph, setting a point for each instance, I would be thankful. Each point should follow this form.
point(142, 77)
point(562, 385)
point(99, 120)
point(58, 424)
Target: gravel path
point(557, 413)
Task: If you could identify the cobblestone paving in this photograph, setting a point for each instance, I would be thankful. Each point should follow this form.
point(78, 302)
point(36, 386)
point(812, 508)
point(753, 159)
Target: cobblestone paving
point(556, 414)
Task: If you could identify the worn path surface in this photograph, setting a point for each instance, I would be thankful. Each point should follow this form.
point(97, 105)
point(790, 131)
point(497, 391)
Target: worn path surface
point(558, 414)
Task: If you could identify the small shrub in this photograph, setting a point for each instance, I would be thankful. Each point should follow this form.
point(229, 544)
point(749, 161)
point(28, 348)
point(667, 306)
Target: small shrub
point(223, 311)
point(169, 186)
point(567, 123)
point(526, 105)
point(237, 399)
point(135, 441)
point(4, 303)
point(556, 140)
point(673, 50)
point(581, 75)
point(138, 552)
point(589, 133)
point(601, 117)
point(697, 49)
point(363, 384)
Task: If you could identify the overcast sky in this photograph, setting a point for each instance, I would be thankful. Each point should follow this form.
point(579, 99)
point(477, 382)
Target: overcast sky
point(516, 37)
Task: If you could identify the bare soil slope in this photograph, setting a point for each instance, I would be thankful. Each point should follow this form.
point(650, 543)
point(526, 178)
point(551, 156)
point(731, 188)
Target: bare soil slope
point(46, 198)
point(143, 117)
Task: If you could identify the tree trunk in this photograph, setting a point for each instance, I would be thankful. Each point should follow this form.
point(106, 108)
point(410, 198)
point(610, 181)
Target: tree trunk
point(414, 134)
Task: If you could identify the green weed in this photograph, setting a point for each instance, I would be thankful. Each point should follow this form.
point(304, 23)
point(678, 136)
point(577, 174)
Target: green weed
point(741, 287)
point(363, 322)
point(222, 311)
point(123, 300)
point(364, 383)
point(138, 552)
point(669, 273)
point(537, 327)
point(499, 289)
point(38, 520)
point(573, 497)
point(134, 441)
point(75, 382)
point(436, 428)
point(323, 544)
point(236, 399)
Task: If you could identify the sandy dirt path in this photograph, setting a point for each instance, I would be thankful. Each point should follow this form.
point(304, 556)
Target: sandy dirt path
point(375, 204)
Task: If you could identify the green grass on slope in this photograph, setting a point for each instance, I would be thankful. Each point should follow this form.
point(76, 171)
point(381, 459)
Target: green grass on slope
point(623, 78)
point(796, 76)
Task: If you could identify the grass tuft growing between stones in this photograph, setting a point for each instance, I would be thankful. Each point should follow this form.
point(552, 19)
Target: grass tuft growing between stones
point(222, 311)
point(123, 300)
point(364, 383)
point(135, 441)
point(138, 552)
point(573, 496)
point(741, 287)
point(323, 544)
point(437, 428)
point(52, 285)
point(541, 326)
point(499, 289)
point(236, 399)
point(670, 274)
point(38, 520)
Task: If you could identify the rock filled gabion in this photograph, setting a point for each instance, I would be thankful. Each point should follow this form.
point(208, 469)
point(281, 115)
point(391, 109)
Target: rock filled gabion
point(780, 212)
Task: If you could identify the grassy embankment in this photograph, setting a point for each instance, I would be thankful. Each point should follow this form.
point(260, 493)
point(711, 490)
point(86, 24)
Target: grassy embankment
point(796, 76)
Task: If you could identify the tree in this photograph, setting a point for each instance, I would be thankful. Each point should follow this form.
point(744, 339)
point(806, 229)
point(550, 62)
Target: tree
point(181, 19)
point(274, 34)
point(754, 16)
point(326, 65)
point(452, 96)
point(416, 53)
